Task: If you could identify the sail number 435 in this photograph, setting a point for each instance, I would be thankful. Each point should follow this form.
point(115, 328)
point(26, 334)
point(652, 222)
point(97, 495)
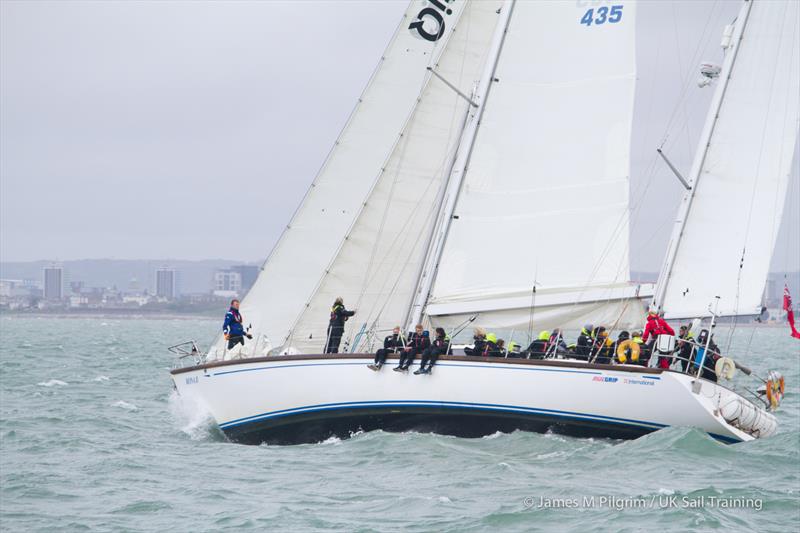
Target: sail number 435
point(601, 15)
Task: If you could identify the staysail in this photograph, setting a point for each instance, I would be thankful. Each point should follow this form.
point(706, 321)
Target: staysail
point(726, 229)
point(377, 267)
point(544, 202)
point(298, 262)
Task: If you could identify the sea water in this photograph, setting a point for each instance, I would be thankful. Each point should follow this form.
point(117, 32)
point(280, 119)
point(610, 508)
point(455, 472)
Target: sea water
point(95, 439)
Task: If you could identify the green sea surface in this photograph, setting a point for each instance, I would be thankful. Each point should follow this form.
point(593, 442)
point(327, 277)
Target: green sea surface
point(93, 438)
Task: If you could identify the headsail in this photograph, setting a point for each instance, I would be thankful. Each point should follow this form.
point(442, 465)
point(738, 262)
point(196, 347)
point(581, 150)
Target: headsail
point(545, 198)
point(725, 234)
point(377, 266)
point(299, 260)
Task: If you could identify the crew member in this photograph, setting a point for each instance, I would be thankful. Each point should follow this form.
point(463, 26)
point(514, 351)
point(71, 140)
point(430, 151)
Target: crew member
point(644, 350)
point(538, 348)
point(583, 348)
point(656, 326)
point(685, 346)
point(232, 328)
point(556, 344)
point(391, 344)
point(440, 346)
point(711, 356)
point(339, 316)
point(418, 342)
point(491, 349)
point(478, 348)
point(601, 349)
point(501, 348)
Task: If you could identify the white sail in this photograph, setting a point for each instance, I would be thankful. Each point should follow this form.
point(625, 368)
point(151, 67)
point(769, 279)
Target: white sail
point(377, 267)
point(725, 244)
point(298, 261)
point(545, 197)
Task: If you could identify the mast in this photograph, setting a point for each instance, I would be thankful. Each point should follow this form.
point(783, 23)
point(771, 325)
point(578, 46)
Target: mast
point(456, 177)
point(700, 157)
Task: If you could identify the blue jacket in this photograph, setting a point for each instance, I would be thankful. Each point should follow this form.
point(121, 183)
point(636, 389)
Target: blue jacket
point(233, 323)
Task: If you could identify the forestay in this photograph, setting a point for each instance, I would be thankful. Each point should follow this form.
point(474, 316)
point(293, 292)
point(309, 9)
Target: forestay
point(545, 197)
point(740, 182)
point(298, 261)
point(377, 267)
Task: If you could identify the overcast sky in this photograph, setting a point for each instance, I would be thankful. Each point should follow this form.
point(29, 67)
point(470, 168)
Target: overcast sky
point(191, 130)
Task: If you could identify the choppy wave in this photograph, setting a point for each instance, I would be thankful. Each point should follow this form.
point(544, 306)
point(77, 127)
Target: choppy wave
point(89, 452)
point(53, 383)
point(125, 405)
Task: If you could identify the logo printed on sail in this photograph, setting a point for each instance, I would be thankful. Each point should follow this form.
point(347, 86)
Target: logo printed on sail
point(430, 20)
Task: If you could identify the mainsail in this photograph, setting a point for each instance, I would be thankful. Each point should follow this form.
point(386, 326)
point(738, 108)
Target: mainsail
point(545, 199)
point(356, 166)
point(726, 230)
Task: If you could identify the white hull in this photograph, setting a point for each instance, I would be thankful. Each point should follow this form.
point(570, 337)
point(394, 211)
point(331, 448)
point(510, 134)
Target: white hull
point(295, 399)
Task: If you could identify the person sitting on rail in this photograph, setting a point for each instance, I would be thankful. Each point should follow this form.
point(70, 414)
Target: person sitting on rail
point(583, 347)
point(513, 350)
point(439, 346)
point(491, 349)
point(480, 343)
point(556, 344)
point(538, 348)
point(391, 344)
point(622, 337)
point(418, 342)
point(501, 347)
point(601, 350)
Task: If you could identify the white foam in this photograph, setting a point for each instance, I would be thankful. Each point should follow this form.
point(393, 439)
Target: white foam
point(666, 492)
point(191, 417)
point(52, 383)
point(125, 405)
point(445, 499)
point(493, 435)
point(101, 378)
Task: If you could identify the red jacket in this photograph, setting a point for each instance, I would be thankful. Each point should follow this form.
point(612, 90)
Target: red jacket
point(656, 326)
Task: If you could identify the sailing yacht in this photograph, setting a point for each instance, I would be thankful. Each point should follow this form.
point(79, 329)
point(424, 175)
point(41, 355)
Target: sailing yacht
point(484, 178)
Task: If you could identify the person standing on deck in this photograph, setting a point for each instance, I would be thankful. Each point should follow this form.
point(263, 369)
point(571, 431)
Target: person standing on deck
point(685, 346)
point(339, 316)
point(656, 326)
point(232, 328)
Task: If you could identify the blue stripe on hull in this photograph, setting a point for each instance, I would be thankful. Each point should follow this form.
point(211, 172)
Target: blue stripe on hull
point(489, 413)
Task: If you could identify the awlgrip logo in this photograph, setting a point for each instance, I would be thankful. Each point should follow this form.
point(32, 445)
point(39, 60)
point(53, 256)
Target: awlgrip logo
point(605, 379)
point(429, 23)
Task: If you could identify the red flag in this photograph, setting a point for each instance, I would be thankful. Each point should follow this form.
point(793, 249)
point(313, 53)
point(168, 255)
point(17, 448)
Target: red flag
point(787, 306)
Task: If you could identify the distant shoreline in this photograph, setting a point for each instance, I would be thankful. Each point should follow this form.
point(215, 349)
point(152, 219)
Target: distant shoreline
point(127, 315)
